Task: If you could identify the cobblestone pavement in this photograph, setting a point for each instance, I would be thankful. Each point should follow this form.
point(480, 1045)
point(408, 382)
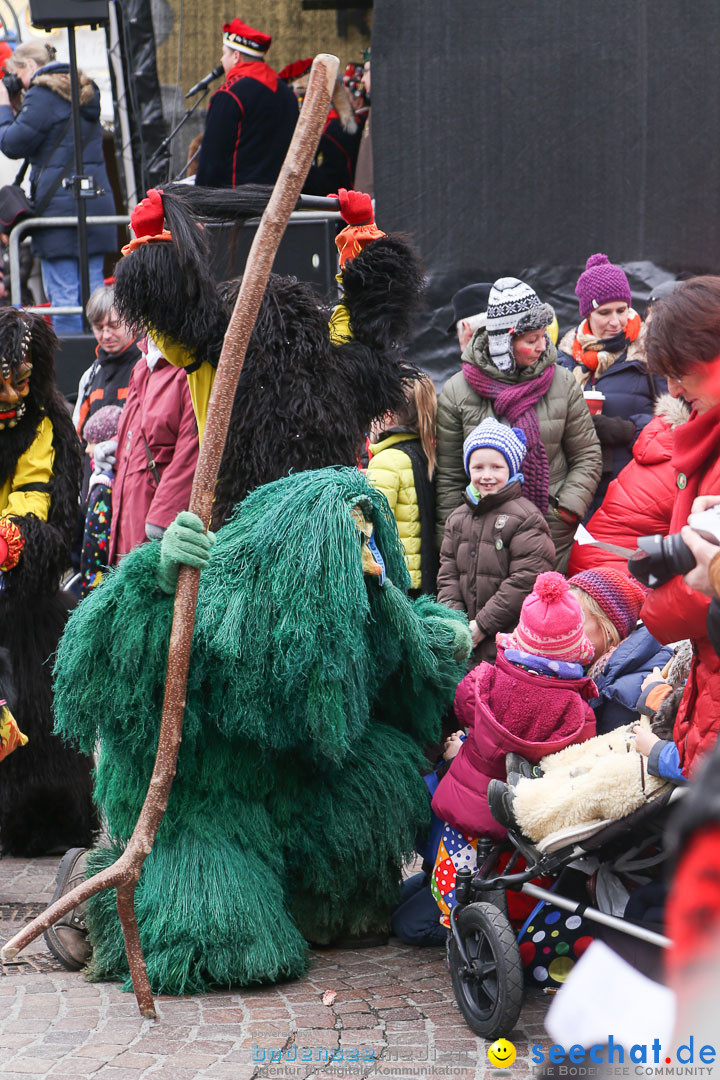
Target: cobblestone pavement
point(393, 1015)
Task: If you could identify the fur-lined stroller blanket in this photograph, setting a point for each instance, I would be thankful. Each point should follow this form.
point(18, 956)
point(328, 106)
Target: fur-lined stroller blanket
point(587, 784)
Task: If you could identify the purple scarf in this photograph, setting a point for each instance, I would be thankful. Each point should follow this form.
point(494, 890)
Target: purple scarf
point(516, 403)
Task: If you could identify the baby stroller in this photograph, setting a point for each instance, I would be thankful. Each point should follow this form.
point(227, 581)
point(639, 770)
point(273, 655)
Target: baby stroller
point(483, 952)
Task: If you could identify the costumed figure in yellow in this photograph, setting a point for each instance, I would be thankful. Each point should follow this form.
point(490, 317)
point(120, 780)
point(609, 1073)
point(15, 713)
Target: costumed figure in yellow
point(45, 789)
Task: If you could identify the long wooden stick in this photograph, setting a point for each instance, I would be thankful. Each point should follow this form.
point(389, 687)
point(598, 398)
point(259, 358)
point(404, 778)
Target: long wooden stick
point(124, 874)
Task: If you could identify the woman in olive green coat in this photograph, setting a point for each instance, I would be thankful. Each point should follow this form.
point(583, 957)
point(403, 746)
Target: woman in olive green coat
point(507, 365)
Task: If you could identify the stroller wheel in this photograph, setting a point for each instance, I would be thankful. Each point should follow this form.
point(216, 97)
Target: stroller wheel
point(489, 991)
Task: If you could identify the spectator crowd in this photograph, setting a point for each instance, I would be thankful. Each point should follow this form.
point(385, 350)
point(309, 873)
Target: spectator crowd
point(489, 490)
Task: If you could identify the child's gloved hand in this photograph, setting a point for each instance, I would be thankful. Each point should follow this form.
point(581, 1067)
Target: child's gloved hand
point(185, 541)
point(104, 456)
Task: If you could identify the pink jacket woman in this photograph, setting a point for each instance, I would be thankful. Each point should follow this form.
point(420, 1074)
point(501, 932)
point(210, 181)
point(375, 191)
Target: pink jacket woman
point(157, 422)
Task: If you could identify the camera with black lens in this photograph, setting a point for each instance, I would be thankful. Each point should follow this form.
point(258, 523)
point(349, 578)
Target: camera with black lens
point(12, 84)
point(660, 558)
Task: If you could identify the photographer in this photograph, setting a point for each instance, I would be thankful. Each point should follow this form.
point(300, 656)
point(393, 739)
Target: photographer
point(705, 576)
point(683, 343)
point(42, 133)
point(693, 912)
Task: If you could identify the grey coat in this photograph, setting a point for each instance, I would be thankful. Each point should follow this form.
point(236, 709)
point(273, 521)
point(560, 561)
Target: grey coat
point(567, 431)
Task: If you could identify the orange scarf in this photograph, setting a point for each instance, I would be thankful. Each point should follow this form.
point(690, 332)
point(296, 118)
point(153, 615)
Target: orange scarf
point(589, 354)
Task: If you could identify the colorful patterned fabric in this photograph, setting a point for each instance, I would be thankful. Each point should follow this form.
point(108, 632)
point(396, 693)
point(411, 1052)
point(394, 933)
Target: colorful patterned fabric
point(551, 942)
point(11, 737)
point(456, 850)
point(96, 537)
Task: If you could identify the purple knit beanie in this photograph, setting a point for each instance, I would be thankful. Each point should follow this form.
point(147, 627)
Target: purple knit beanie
point(600, 283)
point(620, 596)
point(103, 424)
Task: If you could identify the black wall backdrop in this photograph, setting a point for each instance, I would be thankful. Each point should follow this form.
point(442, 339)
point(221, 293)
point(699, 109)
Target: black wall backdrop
point(519, 138)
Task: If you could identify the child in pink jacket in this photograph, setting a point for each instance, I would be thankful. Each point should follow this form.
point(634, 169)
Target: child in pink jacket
point(533, 701)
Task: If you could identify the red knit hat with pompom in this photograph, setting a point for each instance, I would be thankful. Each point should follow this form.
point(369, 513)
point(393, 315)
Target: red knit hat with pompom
point(551, 624)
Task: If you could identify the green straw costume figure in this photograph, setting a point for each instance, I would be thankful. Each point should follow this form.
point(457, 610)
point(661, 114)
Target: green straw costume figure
point(313, 684)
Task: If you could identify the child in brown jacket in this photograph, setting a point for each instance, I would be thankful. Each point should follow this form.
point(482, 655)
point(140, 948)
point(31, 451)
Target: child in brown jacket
point(497, 542)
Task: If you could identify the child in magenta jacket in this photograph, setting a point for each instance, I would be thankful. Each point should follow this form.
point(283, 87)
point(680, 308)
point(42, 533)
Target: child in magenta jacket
point(534, 700)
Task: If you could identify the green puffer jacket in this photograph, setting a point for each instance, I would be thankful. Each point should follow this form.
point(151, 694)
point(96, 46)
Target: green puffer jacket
point(566, 429)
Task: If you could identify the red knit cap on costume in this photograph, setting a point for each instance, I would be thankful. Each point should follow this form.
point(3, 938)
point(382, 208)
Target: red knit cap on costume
point(620, 596)
point(551, 623)
point(600, 283)
point(243, 38)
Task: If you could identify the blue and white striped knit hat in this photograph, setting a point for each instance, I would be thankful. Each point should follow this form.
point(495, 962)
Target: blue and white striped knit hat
point(492, 435)
point(513, 308)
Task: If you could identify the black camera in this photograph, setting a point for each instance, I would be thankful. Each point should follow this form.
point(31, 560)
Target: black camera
point(12, 84)
point(660, 558)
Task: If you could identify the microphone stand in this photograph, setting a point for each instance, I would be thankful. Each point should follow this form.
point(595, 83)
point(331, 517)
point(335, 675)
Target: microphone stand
point(183, 119)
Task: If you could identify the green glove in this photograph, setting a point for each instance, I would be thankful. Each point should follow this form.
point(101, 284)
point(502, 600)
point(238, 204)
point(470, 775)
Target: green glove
point(185, 541)
point(462, 641)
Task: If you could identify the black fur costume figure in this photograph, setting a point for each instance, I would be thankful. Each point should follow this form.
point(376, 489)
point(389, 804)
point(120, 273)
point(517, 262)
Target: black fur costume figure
point(45, 789)
point(309, 389)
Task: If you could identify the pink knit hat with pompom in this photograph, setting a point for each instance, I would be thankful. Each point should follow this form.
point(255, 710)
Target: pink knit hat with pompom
point(600, 283)
point(551, 624)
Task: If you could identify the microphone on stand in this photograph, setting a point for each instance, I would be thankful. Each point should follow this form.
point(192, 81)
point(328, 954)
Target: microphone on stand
point(214, 74)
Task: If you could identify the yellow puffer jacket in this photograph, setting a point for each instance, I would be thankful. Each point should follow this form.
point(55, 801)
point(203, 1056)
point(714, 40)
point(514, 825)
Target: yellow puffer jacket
point(390, 470)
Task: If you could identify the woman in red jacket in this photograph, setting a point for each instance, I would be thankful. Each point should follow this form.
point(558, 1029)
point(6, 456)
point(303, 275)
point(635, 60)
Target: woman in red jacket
point(639, 501)
point(683, 343)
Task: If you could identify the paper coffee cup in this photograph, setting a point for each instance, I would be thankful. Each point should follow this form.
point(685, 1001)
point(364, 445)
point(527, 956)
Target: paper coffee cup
point(594, 399)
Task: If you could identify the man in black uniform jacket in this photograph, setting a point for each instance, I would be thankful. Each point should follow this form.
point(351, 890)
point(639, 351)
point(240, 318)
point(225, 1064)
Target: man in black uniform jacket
point(334, 164)
point(251, 118)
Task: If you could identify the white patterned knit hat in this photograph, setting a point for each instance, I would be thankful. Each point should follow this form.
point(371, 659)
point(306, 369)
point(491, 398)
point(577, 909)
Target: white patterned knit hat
point(513, 308)
point(491, 434)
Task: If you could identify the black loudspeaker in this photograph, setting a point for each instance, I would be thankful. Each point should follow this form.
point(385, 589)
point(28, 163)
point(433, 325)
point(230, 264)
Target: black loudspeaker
point(307, 252)
point(55, 14)
point(75, 354)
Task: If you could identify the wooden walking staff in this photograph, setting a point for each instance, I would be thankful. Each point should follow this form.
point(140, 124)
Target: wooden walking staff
point(124, 874)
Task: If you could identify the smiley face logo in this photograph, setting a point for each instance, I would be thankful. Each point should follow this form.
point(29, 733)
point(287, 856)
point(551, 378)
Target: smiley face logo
point(502, 1053)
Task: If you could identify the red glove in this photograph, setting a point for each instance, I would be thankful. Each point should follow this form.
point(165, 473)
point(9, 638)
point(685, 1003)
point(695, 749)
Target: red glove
point(148, 216)
point(355, 207)
point(4, 549)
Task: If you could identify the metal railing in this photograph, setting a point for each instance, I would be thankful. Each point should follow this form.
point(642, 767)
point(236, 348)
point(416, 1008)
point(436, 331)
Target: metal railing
point(22, 227)
point(14, 254)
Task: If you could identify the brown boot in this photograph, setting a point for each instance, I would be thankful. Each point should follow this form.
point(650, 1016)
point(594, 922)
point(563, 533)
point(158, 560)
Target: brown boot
point(67, 939)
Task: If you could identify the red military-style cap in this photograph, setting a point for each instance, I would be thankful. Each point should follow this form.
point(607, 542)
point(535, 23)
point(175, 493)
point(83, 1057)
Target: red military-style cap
point(238, 35)
point(295, 70)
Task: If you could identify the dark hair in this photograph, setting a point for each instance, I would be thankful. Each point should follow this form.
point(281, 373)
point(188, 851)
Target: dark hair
point(685, 327)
